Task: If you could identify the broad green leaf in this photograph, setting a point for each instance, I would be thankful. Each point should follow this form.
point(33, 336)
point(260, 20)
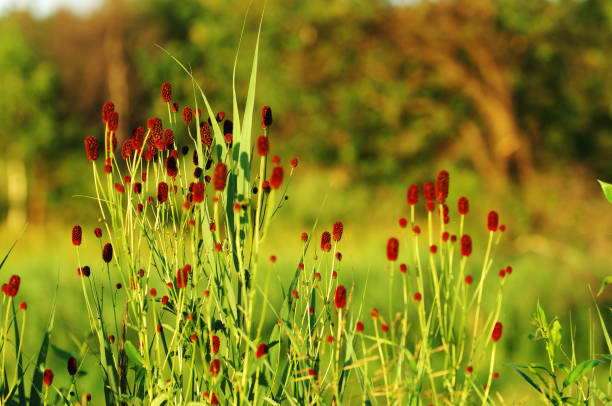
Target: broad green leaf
point(606, 281)
point(61, 353)
point(133, 354)
point(607, 189)
point(580, 370)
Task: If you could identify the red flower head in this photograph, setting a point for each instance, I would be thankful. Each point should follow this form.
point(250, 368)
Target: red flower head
point(463, 206)
point(138, 138)
point(171, 166)
point(162, 192)
point(220, 176)
point(340, 298)
point(175, 107)
point(304, 237)
point(76, 235)
point(392, 249)
point(294, 162)
point(216, 343)
point(413, 195)
point(337, 230)
point(12, 288)
point(359, 327)
point(492, 221)
point(429, 191)
point(187, 115)
point(466, 245)
point(326, 241)
point(215, 367)
point(262, 349)
point(497, 331)
point(220, 116)
point(266, 117)
point(417, 297)
point(91, 148)
point(166, 92)
point(107, 252)
point(119, 188)
point(113, 121)
point(198, 192)
point(468, 280)
point(205, 136)
point(403, 222)
point(384, 327)
point(276, 178)
point(442, 186)
point(138, 188)
point(169, 140)
point(126, 149)
point(48, 377)
point(107, 109)
point(263, 146)
point(23, 306)
point(72, 365)
point(403, 268)
point(182, 276)
point(155, 125)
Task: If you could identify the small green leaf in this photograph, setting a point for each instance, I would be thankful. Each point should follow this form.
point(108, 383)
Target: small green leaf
point(133, 354)
point(528, 379)
point(606, 281)
point(159, 400)
point(607, 190)
point(581, 369)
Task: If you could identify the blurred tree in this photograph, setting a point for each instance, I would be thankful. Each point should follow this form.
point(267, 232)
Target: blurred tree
point(28, 117)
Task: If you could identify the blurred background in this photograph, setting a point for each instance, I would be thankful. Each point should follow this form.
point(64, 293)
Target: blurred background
point(514, 98)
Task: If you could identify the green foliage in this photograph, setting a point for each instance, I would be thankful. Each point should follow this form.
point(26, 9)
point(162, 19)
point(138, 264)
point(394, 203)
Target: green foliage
point(580, 384)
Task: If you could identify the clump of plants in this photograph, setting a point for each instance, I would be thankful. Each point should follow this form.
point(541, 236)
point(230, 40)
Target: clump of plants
point(184, 210)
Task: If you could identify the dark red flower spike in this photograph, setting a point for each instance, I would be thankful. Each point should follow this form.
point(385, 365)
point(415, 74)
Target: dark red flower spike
point(413, 195)
point(171, 166)
point(463, 206)
point(326, 241)
point(337, 230)
point(107, 109)
point(497, 331)
point(392, 249)
point(113, 121)
point(91, 148)
point(48, 377)
point(466, 245)
point(266, 117)
point(107, 252)
point(77, 233)
point(340, 297)
point(166, 92)
point(442, 186)
point(276, 178)
point(429, 191)
point(263, 146)
point(187, 115)
point(162, 192)
point(198, 192)
point(262, 349)
point(220, 176)
point(72, 365)
point(492, 221)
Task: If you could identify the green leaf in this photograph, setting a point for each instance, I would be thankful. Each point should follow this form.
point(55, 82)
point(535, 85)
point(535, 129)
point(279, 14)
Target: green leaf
point(133, 354)
point(61, 353)
point(606, 281)
point(158, 400)
point(556, 333)
point(20, 373)
point(37, 379)
point(580, 370)
point(607, 190)
point(528, 379)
